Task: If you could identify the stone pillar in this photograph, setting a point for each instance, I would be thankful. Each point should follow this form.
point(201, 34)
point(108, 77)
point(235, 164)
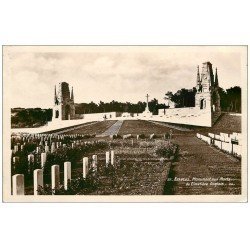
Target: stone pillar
point(107, 158)
point(55, 177)
point(21, 147)
point(38, 180)
point(18, 184)
point(67, 174)
point(112, 158)
point(43, 159)
point(85, 169)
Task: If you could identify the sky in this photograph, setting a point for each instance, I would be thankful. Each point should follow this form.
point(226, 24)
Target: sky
point(121, 73)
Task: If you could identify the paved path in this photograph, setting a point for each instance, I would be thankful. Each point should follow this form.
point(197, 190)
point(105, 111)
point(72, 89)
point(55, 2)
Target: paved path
point(199, 160)
point(113, 130)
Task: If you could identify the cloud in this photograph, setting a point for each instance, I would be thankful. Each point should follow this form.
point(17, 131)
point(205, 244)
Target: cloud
point(118, 73)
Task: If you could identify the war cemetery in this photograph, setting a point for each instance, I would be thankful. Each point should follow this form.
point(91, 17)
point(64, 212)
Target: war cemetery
point(191, 150)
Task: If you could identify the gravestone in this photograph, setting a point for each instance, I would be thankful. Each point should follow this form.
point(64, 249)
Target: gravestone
point(152, 136)
point(85, 166)
point(16, 148)
point(38, 180)
point(67, 174)
point(38, 150)
point(112, 162)
point(46, 149)
point(127, 136)
point(94, 162)
point(55, 178)
point(53, 147)
point(18, 184)
point(107, 158)
point(15, 159)
point(170, 134)
point(43, 159)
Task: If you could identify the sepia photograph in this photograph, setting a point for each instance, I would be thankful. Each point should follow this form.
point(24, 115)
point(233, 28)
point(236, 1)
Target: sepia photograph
point(125, 123)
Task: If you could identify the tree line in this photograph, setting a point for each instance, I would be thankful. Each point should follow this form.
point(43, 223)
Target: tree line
point(35, 117)
point(114, 106)
point(230, 99)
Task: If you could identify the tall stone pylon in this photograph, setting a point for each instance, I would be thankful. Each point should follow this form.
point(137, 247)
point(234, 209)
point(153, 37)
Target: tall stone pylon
point(64, 107)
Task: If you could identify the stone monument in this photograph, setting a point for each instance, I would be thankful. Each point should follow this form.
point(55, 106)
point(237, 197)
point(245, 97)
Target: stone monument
point(147, 113)
point(64, 108)
point(207, 95)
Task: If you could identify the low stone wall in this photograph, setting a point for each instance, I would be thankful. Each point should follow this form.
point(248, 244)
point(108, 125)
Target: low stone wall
point(189, 116)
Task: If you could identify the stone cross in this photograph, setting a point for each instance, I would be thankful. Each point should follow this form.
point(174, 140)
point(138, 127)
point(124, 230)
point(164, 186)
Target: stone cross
point(38, 180)
point(18, 184)
point(147, 96)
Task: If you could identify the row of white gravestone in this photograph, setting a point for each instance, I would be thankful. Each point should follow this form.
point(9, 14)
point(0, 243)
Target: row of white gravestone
point(228, 147)
point(44, 154)
point(18, 179)
point(224, 137)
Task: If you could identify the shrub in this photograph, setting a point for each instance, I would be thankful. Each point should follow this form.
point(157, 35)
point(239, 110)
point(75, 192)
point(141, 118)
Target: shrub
point(167, 151)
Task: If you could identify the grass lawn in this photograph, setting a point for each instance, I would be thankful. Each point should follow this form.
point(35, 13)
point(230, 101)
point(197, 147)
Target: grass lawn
point(96, 128)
